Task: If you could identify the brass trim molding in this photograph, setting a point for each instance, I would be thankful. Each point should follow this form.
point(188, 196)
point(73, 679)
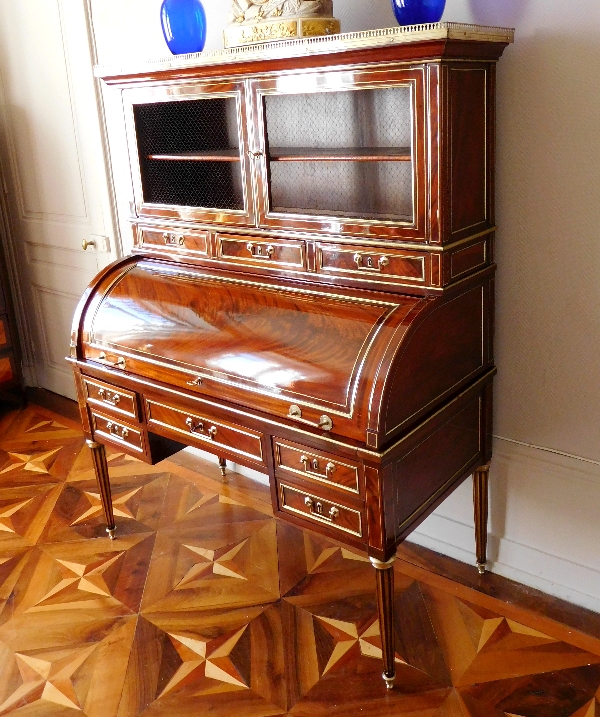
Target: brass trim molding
point(317, 45)
point(381, 565)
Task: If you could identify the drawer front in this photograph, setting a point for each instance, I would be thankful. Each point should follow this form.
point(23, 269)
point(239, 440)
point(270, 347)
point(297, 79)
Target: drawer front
point(174, 241)
point(372, 265)
point(119, 433)
point(281, 254)
point(117, 400)
point(201, 429)
point(4, 333)
point(318, 466)
point(315, 509)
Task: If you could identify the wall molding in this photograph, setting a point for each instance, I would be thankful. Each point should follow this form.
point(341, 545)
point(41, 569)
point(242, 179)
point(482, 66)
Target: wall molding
point(540, 532)
point(536, 495)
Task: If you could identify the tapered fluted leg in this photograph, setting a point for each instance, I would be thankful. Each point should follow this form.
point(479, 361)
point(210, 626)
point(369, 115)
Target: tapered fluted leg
point(385, 604)
point(480, 502)
point(101, 470)
point(223, 466)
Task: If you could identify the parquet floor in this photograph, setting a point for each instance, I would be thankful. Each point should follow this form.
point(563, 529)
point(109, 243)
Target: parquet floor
point(205, 605)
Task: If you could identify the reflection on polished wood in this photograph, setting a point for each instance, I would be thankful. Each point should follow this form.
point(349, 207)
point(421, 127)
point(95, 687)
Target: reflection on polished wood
point(205, 604)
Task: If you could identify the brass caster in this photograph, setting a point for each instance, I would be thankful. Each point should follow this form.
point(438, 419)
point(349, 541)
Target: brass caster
point(111, 532)
point(223, 466)
point(481, 568)
point(389, 681)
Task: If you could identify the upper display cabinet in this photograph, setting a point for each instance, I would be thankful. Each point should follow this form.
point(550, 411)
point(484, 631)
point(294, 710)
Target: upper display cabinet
point(384, 136)
point(342, 152)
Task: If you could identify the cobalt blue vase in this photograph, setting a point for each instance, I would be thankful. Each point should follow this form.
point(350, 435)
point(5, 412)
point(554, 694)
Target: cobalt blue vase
point(183, 25)
point(418, 12)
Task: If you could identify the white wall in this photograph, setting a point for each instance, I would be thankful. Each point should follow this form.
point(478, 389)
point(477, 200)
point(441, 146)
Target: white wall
point(546, 473)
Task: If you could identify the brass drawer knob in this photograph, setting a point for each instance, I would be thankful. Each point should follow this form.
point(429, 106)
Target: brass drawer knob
point(171, 239)
point(325, 423)
point(329, 468)
point(118, 431)
point(212, 432)
point(193, 426)
point(383, 262)
point(316, 508)
point(260, 251)
point(119, 363)
point(114, 400)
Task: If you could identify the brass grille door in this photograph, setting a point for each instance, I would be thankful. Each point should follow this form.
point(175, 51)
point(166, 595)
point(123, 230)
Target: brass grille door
point(190, 153)
point(342, 155)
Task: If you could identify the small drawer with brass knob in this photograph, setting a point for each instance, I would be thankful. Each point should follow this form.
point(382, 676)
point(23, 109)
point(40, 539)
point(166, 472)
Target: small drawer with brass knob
point(373, 265)
point(316, 465)
point(116, 400)
point(278, 254)
point(316, 509)
point(106, 428)
point(204, 431)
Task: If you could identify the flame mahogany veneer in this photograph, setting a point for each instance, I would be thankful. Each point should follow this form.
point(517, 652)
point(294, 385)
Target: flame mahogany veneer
point(350, 359)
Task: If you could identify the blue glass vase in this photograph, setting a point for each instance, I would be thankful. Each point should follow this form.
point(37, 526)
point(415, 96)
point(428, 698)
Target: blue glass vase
point(184, 25)
point(418, 12)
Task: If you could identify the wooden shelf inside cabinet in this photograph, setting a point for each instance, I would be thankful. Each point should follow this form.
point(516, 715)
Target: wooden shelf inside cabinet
point(215, 155)
point(350, 154)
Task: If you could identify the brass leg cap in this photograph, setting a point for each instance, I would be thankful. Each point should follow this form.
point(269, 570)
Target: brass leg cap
point(111, 532)
point(481, 568)
point(389, 681)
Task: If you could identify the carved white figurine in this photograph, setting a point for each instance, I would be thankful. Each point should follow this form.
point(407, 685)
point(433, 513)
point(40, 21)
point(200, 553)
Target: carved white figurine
point(256, 10)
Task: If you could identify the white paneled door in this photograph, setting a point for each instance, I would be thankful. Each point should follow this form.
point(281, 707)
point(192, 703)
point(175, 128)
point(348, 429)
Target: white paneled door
point(55, 176)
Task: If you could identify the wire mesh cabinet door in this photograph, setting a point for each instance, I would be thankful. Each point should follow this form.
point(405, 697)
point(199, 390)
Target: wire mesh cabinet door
point(342, 152)
point(188, 149)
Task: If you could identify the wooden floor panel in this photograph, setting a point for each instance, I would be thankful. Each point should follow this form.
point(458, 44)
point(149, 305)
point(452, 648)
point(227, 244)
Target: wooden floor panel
point(206, 605)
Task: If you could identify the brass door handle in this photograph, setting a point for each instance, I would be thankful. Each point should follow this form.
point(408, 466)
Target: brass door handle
point(255, 155)
point(195, 382)
point(325, 423)
point(87, 243)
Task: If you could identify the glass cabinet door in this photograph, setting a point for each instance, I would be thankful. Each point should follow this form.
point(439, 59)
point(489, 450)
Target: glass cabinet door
point(189, 153)
point(342, 152)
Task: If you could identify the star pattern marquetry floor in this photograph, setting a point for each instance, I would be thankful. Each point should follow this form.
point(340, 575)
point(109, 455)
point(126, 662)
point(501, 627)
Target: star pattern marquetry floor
point(205, 605)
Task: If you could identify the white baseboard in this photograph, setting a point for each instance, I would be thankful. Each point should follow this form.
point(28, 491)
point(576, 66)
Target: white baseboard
point(544, 521)
point(544, 527)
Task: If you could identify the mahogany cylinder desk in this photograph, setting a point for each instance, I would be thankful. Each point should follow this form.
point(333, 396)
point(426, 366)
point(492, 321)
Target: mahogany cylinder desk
point(311, 290)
